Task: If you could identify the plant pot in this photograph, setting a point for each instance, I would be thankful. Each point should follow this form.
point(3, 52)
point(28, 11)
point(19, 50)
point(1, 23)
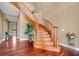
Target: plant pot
point(30, 42)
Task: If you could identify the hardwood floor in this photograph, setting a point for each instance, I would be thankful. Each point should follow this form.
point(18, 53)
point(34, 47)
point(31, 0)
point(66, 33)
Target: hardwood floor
point(25, 48)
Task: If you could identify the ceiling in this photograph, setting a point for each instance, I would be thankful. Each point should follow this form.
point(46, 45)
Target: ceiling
point(9, 11)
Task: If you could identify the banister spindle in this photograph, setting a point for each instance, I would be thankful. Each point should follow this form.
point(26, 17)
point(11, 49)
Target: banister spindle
point(55, 37)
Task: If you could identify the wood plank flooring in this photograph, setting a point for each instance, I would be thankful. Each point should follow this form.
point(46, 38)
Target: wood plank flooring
point(25, 48)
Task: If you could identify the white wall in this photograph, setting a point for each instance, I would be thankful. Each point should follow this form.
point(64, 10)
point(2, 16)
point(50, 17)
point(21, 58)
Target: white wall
point(65, 15)
point(21, 26)
point(1, 26)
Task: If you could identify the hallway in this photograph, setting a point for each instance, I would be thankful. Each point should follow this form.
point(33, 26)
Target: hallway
point(13, 47)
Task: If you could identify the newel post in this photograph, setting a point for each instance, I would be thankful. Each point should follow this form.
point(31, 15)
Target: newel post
point(56, 43)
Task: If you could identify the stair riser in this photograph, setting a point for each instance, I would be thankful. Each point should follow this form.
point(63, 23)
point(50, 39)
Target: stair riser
point(43, 39)
point(44, 36)
point(39, 43)
point(42, 33)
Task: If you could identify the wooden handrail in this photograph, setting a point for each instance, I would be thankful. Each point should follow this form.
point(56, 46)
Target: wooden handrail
point(15, 4)
point(50, 23)
point(29, 19)
point(53, 32)
point(35, 18)
point(29, 11)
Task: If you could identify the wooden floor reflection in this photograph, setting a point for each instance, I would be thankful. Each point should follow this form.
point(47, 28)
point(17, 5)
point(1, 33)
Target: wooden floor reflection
point(25, 48)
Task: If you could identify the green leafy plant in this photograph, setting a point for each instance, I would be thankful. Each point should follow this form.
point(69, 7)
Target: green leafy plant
point(6, 34)
point(29, 31)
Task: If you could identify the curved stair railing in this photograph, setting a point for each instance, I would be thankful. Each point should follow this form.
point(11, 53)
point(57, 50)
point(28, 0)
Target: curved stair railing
point(49, 27)
point(53, 32)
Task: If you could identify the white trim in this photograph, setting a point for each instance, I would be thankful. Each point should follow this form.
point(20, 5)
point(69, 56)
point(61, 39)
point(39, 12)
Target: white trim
point(71, 47)
point(23, 39)
point(2, 40)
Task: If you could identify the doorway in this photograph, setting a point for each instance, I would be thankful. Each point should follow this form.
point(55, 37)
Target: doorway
point(12, 28)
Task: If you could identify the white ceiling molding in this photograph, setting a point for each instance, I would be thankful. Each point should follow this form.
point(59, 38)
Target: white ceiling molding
point(4, 12)
point(10, 17)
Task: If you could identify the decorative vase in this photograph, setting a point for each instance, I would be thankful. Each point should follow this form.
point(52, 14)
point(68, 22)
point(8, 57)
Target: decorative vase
point(71, 38)
point(71, 42)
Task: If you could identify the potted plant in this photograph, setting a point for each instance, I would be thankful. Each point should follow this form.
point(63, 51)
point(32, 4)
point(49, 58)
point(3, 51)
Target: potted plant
point(71, 37)
point(29, 31)
point(6, 35)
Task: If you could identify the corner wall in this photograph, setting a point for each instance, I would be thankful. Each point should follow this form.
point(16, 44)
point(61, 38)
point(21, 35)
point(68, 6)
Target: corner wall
point(1, 26)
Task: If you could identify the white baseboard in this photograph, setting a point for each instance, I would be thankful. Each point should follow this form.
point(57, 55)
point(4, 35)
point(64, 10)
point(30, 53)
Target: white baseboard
point(2, 40)
point(23, 39)
point(71, 47)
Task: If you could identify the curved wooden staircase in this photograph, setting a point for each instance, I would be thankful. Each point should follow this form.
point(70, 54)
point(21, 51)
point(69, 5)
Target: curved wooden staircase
point(46, 34)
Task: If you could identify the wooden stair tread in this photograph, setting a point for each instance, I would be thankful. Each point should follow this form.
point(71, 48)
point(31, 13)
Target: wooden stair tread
point(44, 40)
point(51, 48)
point(39, 43)
point(43, 36)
